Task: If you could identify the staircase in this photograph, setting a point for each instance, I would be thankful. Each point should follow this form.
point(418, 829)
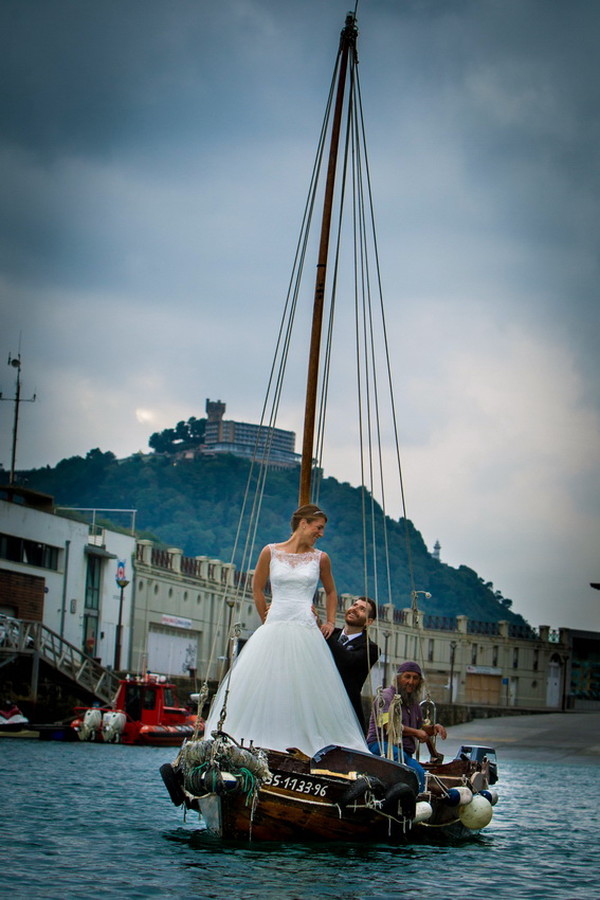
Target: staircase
point(19, 637)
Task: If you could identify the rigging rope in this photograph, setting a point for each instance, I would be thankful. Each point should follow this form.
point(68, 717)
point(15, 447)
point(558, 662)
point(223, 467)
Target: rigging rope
point(370, 331)
point(255, 486)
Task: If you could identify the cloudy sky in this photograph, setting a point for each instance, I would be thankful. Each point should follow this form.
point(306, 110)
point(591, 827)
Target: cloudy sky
point(154, 163)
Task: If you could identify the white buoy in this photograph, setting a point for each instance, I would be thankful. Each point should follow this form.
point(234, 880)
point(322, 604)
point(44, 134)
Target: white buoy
point(459, 796)
point(423, 811)
point(476, 814)
point(491, 795)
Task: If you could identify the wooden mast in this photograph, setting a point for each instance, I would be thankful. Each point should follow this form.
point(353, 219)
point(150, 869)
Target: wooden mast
point(347, 46)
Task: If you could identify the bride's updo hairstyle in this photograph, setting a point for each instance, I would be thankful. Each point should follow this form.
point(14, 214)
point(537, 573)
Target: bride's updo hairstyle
point(310, 512)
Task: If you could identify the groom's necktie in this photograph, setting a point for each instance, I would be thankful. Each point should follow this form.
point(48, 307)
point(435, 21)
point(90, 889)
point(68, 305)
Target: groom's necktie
point(343, 639)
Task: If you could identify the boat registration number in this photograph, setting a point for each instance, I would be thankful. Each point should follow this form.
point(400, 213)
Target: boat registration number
point(289, 783)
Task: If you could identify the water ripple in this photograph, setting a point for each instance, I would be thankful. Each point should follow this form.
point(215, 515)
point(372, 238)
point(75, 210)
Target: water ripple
point(87, 819)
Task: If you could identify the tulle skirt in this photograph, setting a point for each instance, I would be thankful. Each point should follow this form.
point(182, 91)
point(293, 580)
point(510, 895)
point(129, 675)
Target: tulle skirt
point(285, 692)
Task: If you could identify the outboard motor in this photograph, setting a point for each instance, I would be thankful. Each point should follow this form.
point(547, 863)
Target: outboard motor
point(113, 726)
point(480, 754)
point(92, 722)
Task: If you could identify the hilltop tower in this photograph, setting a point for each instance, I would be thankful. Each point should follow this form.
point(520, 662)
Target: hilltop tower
point(243, 439)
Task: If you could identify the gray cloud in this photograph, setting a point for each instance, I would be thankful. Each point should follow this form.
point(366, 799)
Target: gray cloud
point(155, 159)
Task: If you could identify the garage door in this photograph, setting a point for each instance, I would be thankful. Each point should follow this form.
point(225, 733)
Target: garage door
point(484, 689)
point(172, 653)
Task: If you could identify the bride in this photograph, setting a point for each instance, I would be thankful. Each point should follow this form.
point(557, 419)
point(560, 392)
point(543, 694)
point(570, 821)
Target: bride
point(284, 688)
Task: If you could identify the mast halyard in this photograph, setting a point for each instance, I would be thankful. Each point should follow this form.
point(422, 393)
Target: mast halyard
point(346, 53)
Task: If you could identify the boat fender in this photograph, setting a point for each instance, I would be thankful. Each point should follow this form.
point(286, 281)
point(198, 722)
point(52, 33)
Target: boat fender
point(209, 781)
point(228, 784)
point(491, 795)
point(214, 781)
point(401, 798)
point(194, 780)
point(476, 814)
point(169, 776)
point(359, 788)
point(460, 796)
point(423, 811)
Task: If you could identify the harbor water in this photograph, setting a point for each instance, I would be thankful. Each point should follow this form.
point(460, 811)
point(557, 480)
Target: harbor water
point(92, 820)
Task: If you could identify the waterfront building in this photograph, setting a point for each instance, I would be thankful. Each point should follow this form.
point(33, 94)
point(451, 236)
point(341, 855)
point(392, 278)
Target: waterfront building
point(185, 606)
point(249, 441)
point(176, 614)
point(62, 572)
point(183, 612)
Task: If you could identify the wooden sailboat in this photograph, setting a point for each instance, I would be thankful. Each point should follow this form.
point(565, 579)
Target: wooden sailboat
point(338, 794)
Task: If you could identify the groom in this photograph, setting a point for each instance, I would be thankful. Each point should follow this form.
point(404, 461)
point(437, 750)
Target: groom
point(353, 653)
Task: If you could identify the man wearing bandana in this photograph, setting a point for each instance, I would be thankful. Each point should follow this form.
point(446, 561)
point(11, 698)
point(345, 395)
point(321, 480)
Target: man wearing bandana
point(407, 685)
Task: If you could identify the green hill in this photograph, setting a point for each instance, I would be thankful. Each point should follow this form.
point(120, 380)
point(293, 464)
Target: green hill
point(195, 505)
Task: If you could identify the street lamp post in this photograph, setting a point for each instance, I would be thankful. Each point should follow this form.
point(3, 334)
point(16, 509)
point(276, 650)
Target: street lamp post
point(122, 582)
point(453, 646)
point(564, 659)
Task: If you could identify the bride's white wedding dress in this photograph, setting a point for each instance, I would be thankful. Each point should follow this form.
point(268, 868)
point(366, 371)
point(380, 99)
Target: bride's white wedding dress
point(284, 688)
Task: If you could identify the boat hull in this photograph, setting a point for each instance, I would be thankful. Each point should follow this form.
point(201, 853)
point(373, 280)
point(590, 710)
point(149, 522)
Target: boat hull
point(338, 795)
point(161, 735)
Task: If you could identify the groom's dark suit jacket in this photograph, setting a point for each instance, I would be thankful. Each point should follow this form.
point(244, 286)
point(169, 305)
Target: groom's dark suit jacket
point(353, 663)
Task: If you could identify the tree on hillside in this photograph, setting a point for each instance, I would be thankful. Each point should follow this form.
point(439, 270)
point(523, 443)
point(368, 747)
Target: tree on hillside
point(195, 504)
point(185, 436)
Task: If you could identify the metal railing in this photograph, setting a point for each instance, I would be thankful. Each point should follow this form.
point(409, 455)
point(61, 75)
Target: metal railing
point(23, 637)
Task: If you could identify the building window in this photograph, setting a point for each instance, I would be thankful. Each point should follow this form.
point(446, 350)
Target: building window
point(473, 654)
point(92, 582)
point(536, 660)
point(430, 649)
point(515, 657)
point(32, 553)
point(495, 657)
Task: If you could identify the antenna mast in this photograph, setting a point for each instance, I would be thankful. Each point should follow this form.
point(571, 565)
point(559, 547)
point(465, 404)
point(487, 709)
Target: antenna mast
point(15, 362)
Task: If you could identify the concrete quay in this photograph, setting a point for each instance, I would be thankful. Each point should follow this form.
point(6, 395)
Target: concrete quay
point(557, 737)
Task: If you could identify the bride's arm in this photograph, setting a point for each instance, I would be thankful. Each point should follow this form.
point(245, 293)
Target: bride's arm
point(261, 574)
point(330, 595)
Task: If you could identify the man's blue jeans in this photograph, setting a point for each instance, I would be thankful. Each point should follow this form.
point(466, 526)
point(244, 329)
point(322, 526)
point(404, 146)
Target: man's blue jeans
point(408, 760)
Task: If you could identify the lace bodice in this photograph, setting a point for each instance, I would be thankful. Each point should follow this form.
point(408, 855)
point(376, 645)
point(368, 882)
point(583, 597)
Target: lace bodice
point(294, 578)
